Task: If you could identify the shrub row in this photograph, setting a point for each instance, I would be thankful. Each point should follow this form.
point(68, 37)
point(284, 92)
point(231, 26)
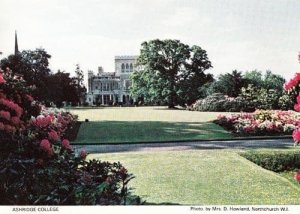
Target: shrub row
point(246, 102)
point(277, 161)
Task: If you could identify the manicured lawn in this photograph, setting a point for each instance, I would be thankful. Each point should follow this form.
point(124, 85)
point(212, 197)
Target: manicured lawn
point(203, 177)
point(144, 114)
point(140, 124)
point(144, 131)
point(290, 176)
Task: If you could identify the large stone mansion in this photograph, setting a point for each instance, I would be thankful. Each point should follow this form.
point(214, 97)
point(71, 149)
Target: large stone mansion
point(108, 88)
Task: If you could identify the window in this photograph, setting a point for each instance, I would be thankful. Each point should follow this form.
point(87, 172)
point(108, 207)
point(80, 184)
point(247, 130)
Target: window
point(127, 84)
point(127, 67)
point(131, 67)
point(123, 68)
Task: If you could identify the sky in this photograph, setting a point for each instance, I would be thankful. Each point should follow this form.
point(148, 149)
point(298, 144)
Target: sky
point(237, 34)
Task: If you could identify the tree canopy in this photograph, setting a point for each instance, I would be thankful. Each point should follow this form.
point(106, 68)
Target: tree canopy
point(33, 66)
point(170, 72)
point(229, 83)
point(232, 83)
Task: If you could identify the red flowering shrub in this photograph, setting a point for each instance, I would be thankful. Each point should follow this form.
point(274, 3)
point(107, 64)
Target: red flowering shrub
point(292, 86)
point(83, 154)
point(297, 176)
point(52, 135)
point(39, 166)
point(292, 82)
point(65, 144)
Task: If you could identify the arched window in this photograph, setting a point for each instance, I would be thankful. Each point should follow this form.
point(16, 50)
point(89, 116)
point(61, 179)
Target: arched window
point(131, 67)
point(127, 67)
point(123, 67)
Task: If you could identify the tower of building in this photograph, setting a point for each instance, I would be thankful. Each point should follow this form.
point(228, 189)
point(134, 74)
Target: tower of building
point(16, 44)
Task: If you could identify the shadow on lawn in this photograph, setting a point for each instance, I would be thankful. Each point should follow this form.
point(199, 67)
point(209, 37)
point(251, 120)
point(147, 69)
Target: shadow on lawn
point(163, 203)
point(100, 132)
point(180, 146)
point(170, 109)
point(127, 136)
point(83, 108)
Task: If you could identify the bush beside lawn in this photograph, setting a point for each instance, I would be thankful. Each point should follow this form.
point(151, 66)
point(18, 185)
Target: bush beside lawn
point(285, 162)
point(274, 160)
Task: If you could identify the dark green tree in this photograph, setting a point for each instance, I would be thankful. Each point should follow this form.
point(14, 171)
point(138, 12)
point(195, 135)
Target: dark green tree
point(229, 84)
point(170, 72)
point(62, 87)
point(33, 66)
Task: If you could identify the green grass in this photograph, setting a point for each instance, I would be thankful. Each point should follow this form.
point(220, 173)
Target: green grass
point(289, 175)
point(144, 114)
point(150, 131)
point(141, 124)
point(203, 177)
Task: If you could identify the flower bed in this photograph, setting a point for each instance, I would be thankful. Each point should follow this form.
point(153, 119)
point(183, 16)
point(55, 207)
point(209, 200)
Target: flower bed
point(261, 122)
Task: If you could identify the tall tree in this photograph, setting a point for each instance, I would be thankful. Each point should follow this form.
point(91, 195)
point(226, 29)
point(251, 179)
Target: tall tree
point(169, 72)
point(79, 78)
point(62, 87)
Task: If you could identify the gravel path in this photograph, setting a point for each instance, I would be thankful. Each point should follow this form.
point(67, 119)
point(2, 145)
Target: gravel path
point(228, 144)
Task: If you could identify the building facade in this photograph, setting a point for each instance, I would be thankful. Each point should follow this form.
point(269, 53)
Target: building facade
point(109, 88)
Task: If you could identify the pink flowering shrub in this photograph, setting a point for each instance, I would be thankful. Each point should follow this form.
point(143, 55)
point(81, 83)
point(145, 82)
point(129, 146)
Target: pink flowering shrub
point(46, 147)
point(261, 122)
point(51, 124)
point(38, 166)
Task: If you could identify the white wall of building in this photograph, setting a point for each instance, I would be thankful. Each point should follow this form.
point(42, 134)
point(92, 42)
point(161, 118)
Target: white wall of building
point(108, 88)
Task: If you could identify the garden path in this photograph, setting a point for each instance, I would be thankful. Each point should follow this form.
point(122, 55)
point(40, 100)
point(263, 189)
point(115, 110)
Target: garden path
point(202, 145)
